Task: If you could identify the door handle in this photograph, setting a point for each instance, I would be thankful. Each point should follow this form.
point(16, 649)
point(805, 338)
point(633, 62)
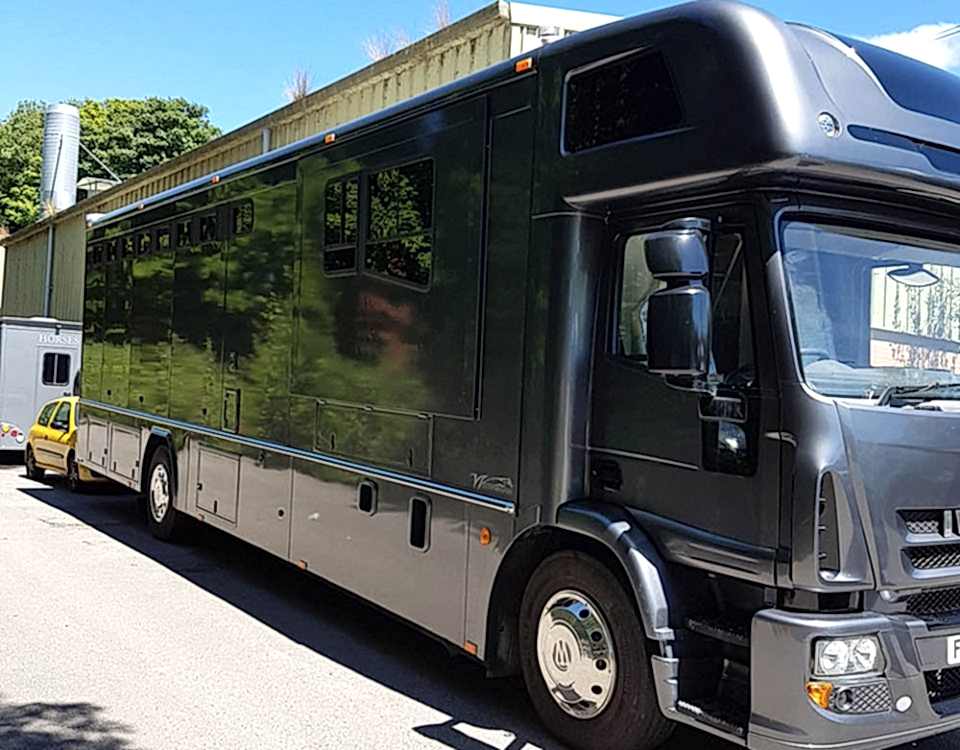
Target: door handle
point(607, 475)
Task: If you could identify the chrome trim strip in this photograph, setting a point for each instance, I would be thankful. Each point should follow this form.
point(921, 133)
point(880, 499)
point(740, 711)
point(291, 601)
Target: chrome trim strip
point(425, 485)
point(644, 457)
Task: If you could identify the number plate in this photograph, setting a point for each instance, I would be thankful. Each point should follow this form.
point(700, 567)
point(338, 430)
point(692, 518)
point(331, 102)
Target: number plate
point(953, 650)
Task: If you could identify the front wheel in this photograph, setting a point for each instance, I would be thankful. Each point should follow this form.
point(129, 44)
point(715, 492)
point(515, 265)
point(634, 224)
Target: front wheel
point(163, 519)
point(585, 659)
point(34, 472)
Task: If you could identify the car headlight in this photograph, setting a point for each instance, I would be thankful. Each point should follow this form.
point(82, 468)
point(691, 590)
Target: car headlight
point(848, 656)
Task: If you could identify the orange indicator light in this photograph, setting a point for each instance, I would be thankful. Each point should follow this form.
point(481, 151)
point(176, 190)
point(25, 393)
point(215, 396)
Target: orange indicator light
point(524, 65)
point(302, 564)
point(486, 536)
point(820, 693)
point(329, 137)
point(470, 648)
point(215, 179)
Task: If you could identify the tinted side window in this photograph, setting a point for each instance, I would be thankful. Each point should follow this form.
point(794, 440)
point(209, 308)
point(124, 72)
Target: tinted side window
point(627, 98)
point(56, 369)
point(400, 221)
point(163, 239)
point(208, 228)
point(340, 207)
point(43, 419)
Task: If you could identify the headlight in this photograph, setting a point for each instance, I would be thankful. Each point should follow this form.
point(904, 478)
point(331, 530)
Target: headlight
point(848, 656)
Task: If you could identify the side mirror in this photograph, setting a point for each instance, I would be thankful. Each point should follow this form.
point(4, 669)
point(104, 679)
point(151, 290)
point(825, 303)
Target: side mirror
point(679, 316)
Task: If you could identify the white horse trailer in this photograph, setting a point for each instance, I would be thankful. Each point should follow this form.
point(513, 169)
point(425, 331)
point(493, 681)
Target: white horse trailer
point(39, 359)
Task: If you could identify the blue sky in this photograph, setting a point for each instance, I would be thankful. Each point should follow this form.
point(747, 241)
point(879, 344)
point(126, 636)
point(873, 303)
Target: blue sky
point(235, 56)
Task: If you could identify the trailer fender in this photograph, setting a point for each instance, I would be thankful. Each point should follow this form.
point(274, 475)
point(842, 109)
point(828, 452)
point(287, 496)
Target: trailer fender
point(158, 436)
point(617, 530)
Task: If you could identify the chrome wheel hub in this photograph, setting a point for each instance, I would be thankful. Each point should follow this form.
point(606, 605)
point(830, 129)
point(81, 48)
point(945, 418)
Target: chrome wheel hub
point(576, 654)
point(159, 492)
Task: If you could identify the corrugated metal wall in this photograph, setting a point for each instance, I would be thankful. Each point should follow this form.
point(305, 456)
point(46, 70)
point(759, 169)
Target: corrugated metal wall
point(23, 279)
point(69, 241)
point(486, 37)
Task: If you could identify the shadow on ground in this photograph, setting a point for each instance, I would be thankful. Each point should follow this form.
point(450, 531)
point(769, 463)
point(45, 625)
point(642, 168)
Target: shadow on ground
point(59, 726)
point(353, 633)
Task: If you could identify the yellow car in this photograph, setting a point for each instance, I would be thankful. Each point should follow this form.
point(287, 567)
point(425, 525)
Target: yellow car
point(52, 443)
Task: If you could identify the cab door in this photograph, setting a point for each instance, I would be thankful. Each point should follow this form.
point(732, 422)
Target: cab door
point(697, 462)
point(57, 439)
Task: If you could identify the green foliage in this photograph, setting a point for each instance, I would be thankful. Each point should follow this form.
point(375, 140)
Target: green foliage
point(21, 135)
point(129, 135)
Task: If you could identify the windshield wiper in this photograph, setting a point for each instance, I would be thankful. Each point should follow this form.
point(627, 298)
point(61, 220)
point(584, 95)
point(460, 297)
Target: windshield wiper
point(901, 391)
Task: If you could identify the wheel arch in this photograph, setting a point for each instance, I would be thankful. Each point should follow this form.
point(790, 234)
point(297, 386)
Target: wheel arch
point(158, 437)
point(604, 531)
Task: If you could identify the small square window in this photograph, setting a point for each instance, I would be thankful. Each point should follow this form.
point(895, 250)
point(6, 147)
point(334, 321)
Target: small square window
point(56, 369)
point(163, 238)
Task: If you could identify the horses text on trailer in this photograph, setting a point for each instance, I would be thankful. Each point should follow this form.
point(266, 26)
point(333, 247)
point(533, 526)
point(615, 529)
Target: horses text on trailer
point(630, 365)
point(39, 358)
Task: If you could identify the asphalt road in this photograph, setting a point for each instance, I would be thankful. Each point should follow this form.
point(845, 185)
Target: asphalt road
point(111, 640)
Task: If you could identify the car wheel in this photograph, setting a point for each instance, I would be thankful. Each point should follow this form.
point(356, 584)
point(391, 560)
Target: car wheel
point(164, 520)
point(73, 474)
point(33, 471)
point(585, 658)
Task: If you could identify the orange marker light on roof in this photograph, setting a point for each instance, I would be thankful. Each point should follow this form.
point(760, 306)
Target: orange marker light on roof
point(329, 137)
point(524, 65)
point(215, 179)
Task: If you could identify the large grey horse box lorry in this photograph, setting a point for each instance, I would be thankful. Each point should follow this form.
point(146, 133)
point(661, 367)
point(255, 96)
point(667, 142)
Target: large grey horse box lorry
point(39, 358)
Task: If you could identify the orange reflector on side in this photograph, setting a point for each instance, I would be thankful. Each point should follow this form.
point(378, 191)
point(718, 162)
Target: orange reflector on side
point(820, 693)
point(486, 536)
point(329, 137)
point(470, 648)
point(524, 65)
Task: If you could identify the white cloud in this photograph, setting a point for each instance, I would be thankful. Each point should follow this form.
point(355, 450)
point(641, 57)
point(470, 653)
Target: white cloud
point(923, 44)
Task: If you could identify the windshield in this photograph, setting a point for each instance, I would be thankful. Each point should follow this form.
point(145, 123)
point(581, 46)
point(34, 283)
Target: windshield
point(872, 311)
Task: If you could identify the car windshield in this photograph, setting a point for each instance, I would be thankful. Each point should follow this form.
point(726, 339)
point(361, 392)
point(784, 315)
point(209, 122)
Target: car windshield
point(873, 311)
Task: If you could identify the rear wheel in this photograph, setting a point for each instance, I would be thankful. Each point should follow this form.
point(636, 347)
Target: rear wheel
point(30, 461)
point(585, 659)
point(164, 520)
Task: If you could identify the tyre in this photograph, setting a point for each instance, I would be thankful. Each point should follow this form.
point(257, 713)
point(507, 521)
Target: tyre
point(33, 471)
point(73, 475)
point(164, 520)
point(585, 659)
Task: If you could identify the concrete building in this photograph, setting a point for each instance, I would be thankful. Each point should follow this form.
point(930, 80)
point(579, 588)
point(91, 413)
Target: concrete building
point(494, 33)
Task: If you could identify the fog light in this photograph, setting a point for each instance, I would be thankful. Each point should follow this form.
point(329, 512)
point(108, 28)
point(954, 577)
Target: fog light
point(848, 656)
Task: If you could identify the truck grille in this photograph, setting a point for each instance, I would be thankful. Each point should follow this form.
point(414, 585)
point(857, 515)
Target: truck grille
point(922, 521)
point(935, 557)
point(937, 603)
point(943, 686)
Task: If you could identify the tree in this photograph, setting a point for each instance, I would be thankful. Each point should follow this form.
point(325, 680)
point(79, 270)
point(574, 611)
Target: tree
point(128, 135)
point(298, 86)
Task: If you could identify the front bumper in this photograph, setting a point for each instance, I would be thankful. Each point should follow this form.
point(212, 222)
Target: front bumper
point(783, 717)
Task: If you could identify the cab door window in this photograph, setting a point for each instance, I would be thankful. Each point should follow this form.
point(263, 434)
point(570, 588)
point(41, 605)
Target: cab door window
point(61, 419)
point(732, 351)
point(43, 419)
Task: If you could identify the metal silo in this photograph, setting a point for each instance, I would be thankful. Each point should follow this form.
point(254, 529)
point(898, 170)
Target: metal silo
point(61, 148)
